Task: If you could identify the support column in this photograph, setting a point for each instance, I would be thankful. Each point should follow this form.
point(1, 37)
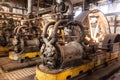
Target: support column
point(86, 5)
point(29, 6)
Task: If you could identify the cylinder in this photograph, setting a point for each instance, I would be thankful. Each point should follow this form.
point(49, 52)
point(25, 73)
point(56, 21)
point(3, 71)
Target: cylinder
point(34, 42)
point(29, 6)
point(63, 56)
point(71, 54)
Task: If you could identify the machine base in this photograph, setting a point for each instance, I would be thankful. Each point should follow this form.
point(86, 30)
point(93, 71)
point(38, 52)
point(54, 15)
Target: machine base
point(23, 56)
point(4, 51)
point(62, 74)
point(43, 73)
point(10, 65)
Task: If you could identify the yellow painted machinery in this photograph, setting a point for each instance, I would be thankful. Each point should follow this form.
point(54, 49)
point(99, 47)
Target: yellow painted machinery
point(7, 25)
point(75, 46)
point(26, 42)
point(6, 34)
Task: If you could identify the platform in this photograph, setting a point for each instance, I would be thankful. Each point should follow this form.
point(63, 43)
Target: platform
point(18, 74)
point(99, 74)
point(7, 65)
point(102, 73)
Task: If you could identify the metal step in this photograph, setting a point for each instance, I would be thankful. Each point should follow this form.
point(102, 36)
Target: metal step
point(7, 65)
point(18, 74)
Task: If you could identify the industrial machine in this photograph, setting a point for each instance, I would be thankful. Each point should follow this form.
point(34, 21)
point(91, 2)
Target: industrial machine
point(8, 21)
point(6, 34)
point(26, 42)
point(75, 46)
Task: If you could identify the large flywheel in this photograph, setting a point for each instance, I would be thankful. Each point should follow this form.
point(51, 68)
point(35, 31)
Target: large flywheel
point(95, 25)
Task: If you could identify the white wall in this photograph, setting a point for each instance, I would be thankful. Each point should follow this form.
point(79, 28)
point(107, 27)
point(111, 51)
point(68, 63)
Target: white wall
point(110, 7)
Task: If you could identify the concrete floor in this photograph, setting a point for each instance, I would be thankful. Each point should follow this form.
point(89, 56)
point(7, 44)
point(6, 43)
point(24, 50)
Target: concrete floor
point(29, 73)
point(18, 74)
point(115, 76)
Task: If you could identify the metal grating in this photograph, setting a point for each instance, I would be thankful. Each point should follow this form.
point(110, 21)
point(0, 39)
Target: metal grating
point(15, 75)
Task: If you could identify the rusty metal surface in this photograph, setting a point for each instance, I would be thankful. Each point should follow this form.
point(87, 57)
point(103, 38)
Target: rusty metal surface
point(71, 54)
point(59, 56)
point(26, 38)
point(109, 40)
point(64, 54)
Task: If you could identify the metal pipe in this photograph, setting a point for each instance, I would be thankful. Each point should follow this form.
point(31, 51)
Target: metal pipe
point(29, 6)
point(83, 7)
point(69, 3)
point(45, 32)
point(57, 24)
point(7, 5)
point(81, 27)
point(86, 5)
point(3, 12)
point(38, 8)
